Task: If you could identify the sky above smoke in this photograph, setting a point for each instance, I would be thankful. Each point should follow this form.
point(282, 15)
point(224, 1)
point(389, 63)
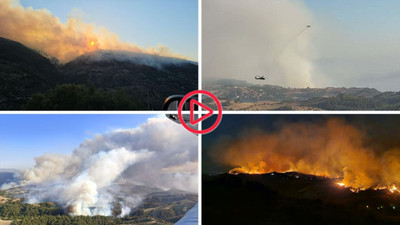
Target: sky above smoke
point(362, 150)
point(41, 30)
point(350, 44)
point(158, 153)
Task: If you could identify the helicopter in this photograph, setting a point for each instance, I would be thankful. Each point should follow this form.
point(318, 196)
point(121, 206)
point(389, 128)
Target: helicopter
point(260, 77)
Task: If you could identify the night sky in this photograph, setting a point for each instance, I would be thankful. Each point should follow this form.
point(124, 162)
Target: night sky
point(380, 132)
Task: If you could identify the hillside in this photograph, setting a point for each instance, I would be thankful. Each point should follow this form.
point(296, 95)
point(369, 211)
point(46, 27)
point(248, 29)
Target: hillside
point(293, 198)
point(143, 81)
point(158, 207)
point(142, 76)
point(7, 177)
point(240, 95)
point(23, 72)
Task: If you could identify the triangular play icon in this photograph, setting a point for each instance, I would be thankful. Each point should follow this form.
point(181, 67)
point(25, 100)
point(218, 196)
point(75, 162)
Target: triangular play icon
point(192, 103)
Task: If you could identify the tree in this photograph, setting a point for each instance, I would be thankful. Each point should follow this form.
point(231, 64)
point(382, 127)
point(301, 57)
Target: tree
point(80, 97)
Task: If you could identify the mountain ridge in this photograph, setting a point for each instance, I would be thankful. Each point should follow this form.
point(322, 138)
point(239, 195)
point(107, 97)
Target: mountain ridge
point(240, 95)
point(292, 198)
point(143, 78)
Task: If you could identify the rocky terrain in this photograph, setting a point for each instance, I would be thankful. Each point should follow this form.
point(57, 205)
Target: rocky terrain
point(157, 207)
point(240, 95)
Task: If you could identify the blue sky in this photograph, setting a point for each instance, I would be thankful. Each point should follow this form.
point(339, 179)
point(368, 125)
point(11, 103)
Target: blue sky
point(145, 22)
point(23, 137)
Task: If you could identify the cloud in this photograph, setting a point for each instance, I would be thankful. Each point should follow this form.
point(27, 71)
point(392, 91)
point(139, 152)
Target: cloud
point(40, 30)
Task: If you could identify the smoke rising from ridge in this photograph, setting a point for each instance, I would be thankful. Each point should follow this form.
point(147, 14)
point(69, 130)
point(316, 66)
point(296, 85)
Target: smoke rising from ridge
point(332, 148)
point(39, 29)
point(242, 39)
point(133, 57)
point(85, 194)
point(158, 153)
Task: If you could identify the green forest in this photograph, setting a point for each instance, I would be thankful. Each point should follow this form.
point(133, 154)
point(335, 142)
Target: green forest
point(161, 209)
point(80, 97)
point(48, 213)
point(44, 213)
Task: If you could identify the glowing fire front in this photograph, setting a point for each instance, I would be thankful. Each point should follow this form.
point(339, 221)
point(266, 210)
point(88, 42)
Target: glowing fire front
point(258, 169)
point(332, 149)
point(240, 170)
point(391, 189)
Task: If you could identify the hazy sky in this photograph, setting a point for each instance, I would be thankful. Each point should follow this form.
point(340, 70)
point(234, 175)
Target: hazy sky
point(350, 43)
point(357, 43)
point(147, 23)
point(23, 137)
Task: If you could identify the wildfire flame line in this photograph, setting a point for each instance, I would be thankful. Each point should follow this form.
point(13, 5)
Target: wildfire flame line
point(319, 149)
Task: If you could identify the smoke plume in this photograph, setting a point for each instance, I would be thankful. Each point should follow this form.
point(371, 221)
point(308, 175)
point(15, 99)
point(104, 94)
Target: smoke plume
point(333, 148)
point(242, 39)
point(133, 57)
point(158, 153)
point(40, 30)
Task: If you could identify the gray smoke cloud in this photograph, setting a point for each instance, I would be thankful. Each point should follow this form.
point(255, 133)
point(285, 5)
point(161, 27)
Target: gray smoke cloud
point(242, 39)
point(158, 153)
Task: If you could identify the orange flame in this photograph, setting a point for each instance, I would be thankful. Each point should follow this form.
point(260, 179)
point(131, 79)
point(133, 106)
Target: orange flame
point(332, 149)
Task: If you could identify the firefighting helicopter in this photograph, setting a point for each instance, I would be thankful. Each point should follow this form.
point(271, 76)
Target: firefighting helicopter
point(259, 77)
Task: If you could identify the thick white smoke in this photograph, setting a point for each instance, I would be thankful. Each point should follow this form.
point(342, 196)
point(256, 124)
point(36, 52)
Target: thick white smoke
point(242, 39)
point(158, 153)
point(133, 57)
point(84, 191)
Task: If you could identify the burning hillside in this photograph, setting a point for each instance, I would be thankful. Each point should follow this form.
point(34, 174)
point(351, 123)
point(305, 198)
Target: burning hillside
point(332, 148)
point(292, 198)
